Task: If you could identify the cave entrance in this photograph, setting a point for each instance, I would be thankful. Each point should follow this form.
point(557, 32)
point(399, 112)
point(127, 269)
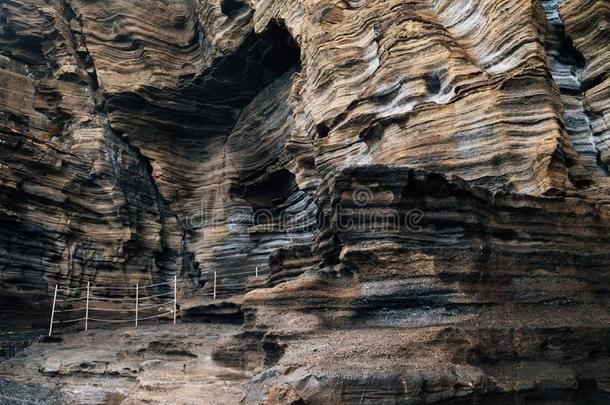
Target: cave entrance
point(272, 191)
point(248, 115)
point(279, 54)
point(236, 79)
point(283, 53)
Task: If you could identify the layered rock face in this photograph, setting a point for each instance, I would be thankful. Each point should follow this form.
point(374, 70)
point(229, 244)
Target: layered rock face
point(427, 182)
point(437, 290)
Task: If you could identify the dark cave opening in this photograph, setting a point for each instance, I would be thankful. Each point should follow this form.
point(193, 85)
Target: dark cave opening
point(568, 54)
point(208, 105)
point(228, 94)
point(284, 53)
point(237, 78)
point(272, 191)
point(433, 82)
point(233, 8)
point(323, 130)
point(280, 54)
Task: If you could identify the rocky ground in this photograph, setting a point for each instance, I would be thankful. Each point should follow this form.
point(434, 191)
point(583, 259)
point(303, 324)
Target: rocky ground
point(153, 364)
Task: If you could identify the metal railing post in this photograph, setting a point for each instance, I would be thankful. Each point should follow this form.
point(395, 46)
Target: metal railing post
point(214, 284)
point(53, 311)
point(87, 309)
point(137, 301)
point(175, 295)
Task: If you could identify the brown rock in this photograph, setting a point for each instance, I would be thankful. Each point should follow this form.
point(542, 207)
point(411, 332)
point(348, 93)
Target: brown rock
point(423, 185)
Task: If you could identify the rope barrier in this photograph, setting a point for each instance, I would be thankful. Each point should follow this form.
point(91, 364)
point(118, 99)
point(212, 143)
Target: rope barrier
point(70, 310)
point(260, 270)
point(157, 306)
point(110, 320)
point(112, 299)
point(70, 320)
point(231, 285)
point(131, 304)
point(72, 299)
point(129, 309)
point(111, 310)
point(118, 288)
point(121, 299)
point(239, 274)
point(128, 320)
point(155, 296)
point(156, 316)
point(100, 288)
point(155, 285)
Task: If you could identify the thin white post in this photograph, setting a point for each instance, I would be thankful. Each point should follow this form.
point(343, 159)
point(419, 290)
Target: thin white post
point(53, 311)
point(214, 284)
point(87, 309)
point(175, 295)
point(256, 274)
point(137, 299)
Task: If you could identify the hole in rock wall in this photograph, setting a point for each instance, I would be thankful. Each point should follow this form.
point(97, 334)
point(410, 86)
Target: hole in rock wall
point(283, 55)
point(372, 135)
point(434, 81)
point(233, 8)
point(568, 54)
point(323, 130)
point(272, 191)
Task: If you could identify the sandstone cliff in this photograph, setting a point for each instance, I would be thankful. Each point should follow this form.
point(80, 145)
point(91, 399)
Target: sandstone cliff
point(427, 182)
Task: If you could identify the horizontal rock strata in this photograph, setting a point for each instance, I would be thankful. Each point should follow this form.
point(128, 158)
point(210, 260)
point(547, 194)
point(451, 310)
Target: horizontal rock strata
point(421, 185)
point(436, 290)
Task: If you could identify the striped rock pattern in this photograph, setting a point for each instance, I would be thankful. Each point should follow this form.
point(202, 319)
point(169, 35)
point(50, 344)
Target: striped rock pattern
point(425, 182)
point(435, 290)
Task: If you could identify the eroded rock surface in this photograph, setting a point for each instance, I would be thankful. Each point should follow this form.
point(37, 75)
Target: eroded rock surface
point(454, 293)
point(158, 364)
point(424, 183)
